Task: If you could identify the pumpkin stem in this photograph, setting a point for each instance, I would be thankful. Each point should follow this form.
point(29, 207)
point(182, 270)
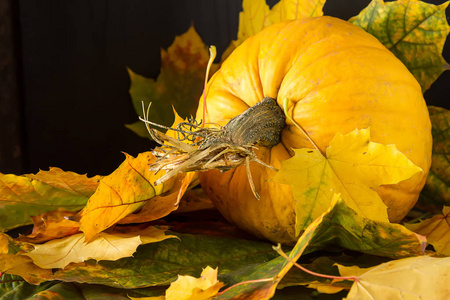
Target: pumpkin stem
point(285, 108)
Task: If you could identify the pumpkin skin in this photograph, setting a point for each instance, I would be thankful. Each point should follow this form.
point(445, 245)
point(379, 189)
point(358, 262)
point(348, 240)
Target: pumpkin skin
point(337, 78)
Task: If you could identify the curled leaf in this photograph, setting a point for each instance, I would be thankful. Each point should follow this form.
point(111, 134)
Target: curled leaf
point(124, 191)
point(160, 206)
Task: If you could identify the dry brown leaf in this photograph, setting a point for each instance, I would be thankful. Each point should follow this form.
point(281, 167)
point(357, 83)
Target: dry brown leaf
point(51, 225)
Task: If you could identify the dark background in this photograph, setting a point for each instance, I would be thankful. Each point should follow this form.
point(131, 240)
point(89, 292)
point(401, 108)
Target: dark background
point(63, 81)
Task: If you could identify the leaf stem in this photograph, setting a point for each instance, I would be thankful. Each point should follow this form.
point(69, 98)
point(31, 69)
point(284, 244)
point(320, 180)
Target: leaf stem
point(285, 108)
point(247, 282)
point(281, 252)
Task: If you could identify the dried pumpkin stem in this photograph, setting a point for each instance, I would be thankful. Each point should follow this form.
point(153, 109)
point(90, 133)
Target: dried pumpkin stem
point(218, 147)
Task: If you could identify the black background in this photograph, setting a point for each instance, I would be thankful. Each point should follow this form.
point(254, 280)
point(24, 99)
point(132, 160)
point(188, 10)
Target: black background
point(73, 80)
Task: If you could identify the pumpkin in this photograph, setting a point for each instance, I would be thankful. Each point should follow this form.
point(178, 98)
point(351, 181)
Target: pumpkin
point(337, 77)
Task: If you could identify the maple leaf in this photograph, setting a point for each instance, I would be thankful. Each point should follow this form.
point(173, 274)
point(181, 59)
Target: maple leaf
point(159, 264)
point(179, 84)
point(124, 191)
point(191, 288)
point(23, 266)
point(437, 187)
point(73, 249)
point(4, 243)
point(256, 15)
point(51, 225)
point(339, 225)
point(354, 167)
point(436, 229)
point(160, 206)
point(27, 195)
point(420, 277)
point(414, 31)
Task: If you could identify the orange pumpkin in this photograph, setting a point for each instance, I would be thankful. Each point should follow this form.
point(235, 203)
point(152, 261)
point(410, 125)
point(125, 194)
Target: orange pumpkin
point(337, 78)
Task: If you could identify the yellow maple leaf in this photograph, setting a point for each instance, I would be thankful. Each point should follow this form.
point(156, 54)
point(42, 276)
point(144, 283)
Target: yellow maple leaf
point(256, 15)
point(191, 288)
point(23, 266)
point(420, 277)
point(436, 230)
point(4, 243)
point(121, 193)
point(74, 249)
point(354, 167)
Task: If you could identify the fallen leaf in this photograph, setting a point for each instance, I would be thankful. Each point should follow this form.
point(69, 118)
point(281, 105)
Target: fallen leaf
point(354, 167)
point(160, 206)
point(250, 285)
point(124, 191)
point(24, 196)
point(344, 227)
point(436, 230)
point(179, 84)
point(191, 288)
point(321, 265)
point(436, 192)
point(414, 31)
point(23, 266)
point(51, 225)
point(4, 243)
point(14, 287)
point(420, 277)
point(19, 289)
point(339, 226)
point(74, 249)
point(158, 264)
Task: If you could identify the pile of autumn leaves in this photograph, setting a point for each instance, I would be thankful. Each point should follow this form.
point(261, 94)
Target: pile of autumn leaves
point(109, 232)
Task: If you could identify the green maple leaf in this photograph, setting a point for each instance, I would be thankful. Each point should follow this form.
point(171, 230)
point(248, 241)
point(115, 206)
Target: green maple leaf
point(414, 31)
